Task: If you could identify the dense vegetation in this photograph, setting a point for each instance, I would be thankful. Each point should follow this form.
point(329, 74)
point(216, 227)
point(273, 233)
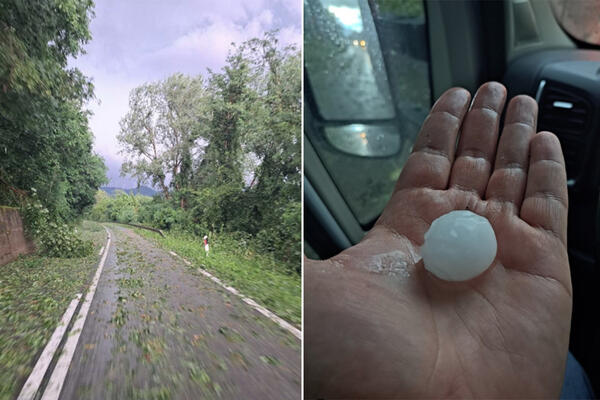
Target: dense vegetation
point(46, 160)
point(223, 147)
point(224, 150)
point(233, 261)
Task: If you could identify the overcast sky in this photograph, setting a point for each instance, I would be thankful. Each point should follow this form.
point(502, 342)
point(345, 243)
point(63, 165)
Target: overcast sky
point(134, 42)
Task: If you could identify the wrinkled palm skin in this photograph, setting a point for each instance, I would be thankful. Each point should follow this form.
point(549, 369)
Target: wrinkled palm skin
point(378, 325)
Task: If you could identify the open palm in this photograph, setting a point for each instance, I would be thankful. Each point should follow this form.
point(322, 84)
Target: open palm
point(378, 325)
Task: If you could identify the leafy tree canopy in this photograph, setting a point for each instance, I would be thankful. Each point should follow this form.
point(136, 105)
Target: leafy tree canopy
point(224, 148)
point(45, 141)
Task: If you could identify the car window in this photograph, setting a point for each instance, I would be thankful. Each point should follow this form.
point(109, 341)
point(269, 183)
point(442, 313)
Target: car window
point(367, 70)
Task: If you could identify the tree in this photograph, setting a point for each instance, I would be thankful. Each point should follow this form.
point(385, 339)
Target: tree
point(273, 137)
point(161, 131)
point(273, 134)
point(44, 136)
point(229, 99)
point(231, 148)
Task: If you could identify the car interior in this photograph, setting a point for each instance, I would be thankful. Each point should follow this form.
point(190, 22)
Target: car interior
point(374, 68)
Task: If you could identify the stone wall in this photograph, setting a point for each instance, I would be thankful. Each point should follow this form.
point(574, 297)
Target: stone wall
point(12, 237)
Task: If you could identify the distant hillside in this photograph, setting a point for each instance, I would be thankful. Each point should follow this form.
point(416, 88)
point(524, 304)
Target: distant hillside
point(143, 190)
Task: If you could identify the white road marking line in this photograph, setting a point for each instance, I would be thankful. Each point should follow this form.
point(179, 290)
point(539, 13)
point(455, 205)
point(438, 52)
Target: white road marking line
point(232, 290)
point(101, 250)
point(57, 379)
point(203, 272)
point(32, 384)
point(284, 324)
point(269, 314)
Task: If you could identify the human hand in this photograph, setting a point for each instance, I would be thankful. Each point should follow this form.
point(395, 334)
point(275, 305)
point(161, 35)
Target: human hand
point(378, 325)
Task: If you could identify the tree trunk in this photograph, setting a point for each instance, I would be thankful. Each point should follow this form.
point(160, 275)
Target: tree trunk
point(165, 189)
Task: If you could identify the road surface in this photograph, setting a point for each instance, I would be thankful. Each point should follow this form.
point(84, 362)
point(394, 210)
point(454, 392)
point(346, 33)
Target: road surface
point(158, 329)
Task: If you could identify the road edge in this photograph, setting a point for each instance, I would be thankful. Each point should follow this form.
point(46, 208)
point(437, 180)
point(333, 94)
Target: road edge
point(33, 383)
point(267, 313)
point(59, 374)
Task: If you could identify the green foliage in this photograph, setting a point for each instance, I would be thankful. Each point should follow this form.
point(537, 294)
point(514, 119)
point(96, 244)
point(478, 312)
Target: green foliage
point(99, 212)
point(210, 210)
point(273, 135)
point(215, 206)
point(45, 141)
point(232, 260)
point(53, 239)
point(283, 239)
point(128, 208)
point(230, 97)
point(161, 129)
point(34, 292)
point(38, 36)
point(231, 145)
point(127, 215)
point(160, 215)
point(124, 208)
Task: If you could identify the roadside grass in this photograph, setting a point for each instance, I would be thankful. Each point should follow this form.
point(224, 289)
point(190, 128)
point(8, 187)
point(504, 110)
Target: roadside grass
point(34, 294)
point(254, 275)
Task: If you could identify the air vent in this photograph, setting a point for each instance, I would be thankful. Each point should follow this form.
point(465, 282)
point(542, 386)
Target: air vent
point(567, 113)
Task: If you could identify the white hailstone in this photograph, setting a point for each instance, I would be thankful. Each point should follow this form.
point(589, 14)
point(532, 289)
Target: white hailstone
point(459, 246)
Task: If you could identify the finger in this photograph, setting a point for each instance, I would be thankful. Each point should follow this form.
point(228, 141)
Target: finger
point(546, 200)
point(479, 135)
point(433, 152)
point(507, 183)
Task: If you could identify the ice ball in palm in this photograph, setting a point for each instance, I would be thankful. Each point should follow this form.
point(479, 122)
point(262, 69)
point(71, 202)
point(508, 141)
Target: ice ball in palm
point(459, 246)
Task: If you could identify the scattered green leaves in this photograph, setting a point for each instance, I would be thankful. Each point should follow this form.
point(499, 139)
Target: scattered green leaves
point(252, 274)
point(34, 293)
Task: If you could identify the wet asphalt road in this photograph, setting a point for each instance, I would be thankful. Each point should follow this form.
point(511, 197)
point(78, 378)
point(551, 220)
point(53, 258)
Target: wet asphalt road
point(157, 329)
